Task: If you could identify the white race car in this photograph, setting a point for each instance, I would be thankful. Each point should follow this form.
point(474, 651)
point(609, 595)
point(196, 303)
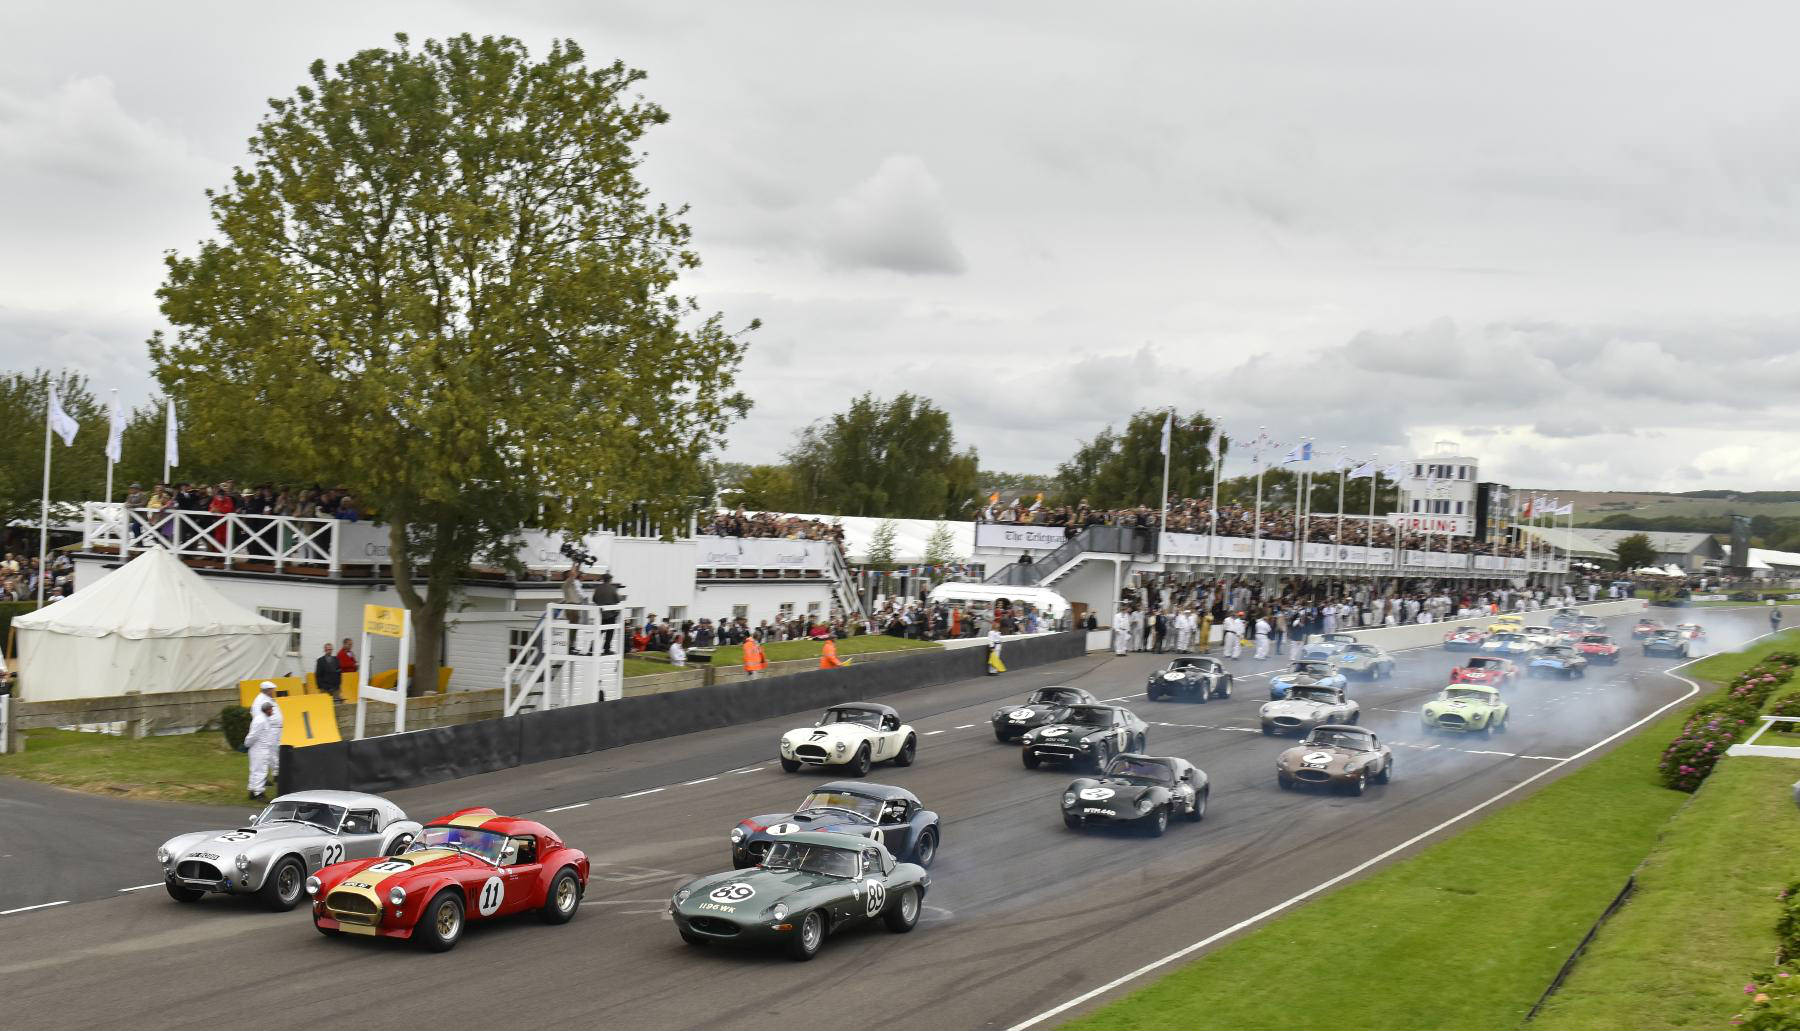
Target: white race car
point(854, 735)
point(1541, 636)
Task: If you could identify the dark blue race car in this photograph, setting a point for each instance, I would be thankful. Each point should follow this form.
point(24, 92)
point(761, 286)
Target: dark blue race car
point(1558, 660)
point(893, 816)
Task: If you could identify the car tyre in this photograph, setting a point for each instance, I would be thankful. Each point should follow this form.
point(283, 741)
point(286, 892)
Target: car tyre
point(284, 884)
point(1072, 822)
point(903, 915)
point(1153, 693)
point(1284, 781)
point(1360, 784)
point(563, 898)
point(790, 765)
point(1197, 811)
point(1030, 758)
point(399, 845)
point(695, 940)
point(1500, 728)
point(808, 936)
point(1387, 773)
point(907, 751)
point(925, 849)
point(1139, 744)
point(1159, 821)
point(181, 893)
point(1267, 732)
point(1227, 692)
point(441, 924)
point(859, 766)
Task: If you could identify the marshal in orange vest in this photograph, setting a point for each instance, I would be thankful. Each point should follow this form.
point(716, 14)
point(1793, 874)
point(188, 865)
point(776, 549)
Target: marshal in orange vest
point(754, 659)
point(828, 659)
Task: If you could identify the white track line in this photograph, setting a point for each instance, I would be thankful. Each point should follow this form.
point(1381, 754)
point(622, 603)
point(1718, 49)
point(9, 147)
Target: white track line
point(702, 780)
point(963, 726)
point(141, 887)
point(747, 769)
point(27, 909)
point(640, 794)
point(929, 733)
point(566, 808)
point(1693, 689)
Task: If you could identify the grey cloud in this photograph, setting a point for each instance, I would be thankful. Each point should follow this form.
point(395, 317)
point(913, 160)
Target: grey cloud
point(894, 220)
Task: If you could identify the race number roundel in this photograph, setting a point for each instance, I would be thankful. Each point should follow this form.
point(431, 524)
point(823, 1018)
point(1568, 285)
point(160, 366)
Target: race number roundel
point(492, 894)
point(334, 853)
point(1096, 794)
point(390, 866)
point(1021, 715)
point(1316, 757)
point(876, 897)
point(1173, 675)
point(1056, 732)
point(783, 828)
point(736, 891)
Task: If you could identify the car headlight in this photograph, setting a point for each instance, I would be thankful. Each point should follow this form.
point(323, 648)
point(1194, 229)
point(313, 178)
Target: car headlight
point(999, 713)
point(787, 746)
point(162, 856)
point(1145, 805)
point(1068, 798)
point(397, 896)
point(1086, 744)
point(737, 835)
point(840, 748)
point(778, 911)
point(243, 862)
point(682, 895)
point(1029, 739)
point(1264, 711)
point(313, 885)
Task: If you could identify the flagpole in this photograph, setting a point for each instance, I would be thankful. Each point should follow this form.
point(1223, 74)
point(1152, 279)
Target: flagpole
point(1305, 505)
point(1343, 473)
point(44, 505)
point(109, 461)
point(1162, 526)
point(1256, 534)
point(1212, 538)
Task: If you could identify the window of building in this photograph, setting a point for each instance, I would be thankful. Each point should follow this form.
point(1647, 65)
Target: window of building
point(291, 619)
point(1418, 471)
point(677, 613)
point(812, 608)
point(740, 612)
point(786, 612)
point(1459, 508)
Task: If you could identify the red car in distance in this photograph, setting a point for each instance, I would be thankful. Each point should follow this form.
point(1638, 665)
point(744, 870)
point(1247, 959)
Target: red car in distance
point(1645, 627)
point(471, 865)
point(1489, 670)
point(1599, 648)
point(1465, 639)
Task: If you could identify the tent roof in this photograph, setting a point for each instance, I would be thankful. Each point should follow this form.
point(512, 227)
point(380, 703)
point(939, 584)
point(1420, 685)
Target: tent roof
point(153, 595)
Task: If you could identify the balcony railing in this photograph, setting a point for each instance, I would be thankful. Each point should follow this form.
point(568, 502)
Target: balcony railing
point(232, 540)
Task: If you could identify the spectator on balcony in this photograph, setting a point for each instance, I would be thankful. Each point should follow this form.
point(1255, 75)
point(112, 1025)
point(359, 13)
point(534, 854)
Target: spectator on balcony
point(349, 509)
point(220, 502)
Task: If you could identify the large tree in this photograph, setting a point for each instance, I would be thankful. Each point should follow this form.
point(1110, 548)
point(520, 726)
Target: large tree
point(1634, 552)
point(77, 472)
point(1123, 469)
point(893, 458)
point(440, 281)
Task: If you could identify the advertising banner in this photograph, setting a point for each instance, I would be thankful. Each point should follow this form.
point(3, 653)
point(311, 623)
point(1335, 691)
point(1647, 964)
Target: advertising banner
point(759, 553)
point(1021, 537)
point(1436, 525)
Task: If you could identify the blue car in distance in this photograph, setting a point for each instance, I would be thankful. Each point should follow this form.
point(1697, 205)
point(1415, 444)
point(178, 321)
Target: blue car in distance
point(1558, 660)
point(1509, 645)
point(1307, 673)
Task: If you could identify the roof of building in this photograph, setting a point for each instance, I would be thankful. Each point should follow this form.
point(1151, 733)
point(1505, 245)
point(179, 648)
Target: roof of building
point(1765, 558)
point(1592, 542)
point(1571, 541)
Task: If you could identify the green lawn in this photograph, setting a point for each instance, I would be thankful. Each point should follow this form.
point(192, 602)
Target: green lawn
point(1466, 934)
point(196, 767)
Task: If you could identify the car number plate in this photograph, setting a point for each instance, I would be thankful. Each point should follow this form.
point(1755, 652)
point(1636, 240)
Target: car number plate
point(1314, 766)
point(202, 855)
point(1091, 811)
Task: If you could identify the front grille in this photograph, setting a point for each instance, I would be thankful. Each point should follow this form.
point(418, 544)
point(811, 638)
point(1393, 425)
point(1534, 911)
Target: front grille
point(352, 908)
point(1288, 721)
point(194, 870)
point(1315, 776)
point(1056, 752)
point(809, 753)
point(712, 925)
point(1450, 719)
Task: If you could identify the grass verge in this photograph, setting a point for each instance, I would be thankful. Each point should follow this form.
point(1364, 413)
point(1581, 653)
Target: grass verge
point(1466, 934)
point(196, 767)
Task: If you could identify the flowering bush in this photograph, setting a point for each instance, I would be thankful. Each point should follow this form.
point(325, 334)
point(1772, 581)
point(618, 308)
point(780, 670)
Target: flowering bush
point(1787, 926)
point(1774, 1001)
point(1702, 742)
point(1786, 705)
point(1757, 683)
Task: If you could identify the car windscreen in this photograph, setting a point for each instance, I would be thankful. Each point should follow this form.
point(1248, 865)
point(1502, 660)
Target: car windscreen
point(1312, 669)
point(1142, 771)
point(1089, 716)
point(1339, 739)
point(867, 808)
point(1507, 638)
point(1455, 694)
point(861, 717)
point(819, 859)
point(1484, 664)
point(486, 844)
point(1596, 639)
point(1053, 696)
point(318, 814)
point(1313, 694)
point(1559, 653)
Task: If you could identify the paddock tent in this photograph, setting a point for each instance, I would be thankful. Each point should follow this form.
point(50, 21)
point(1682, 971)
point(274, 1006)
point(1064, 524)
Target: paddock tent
point(150, 627)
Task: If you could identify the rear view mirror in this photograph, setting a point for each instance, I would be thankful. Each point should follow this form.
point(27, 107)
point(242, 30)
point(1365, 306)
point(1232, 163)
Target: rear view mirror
point(253, 817)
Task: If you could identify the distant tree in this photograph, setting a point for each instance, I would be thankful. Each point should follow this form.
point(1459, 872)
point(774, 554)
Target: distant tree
point(881, 543)
point(884, 458)
point(77, 472)
point(940, 547)
point(763, 488)
point(1124, 469)
point(1634, 552)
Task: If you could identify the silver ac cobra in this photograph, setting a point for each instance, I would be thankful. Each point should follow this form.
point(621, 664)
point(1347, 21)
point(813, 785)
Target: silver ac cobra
point(289, 840)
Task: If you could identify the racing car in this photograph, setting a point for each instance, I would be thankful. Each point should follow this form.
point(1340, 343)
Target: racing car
point(1598, 648)
point(1490, 670)
point(1464, 639)
point(810, 885)
point(893, 816)
point(471, 865)
point(1507, 623)
point(1190, 676)
point(1045, 706)
point(1467, 709)
point(293, 836)
point(854, 735)
point(1645, 627)
point(1306, 673)
point(1085, 734)
point(1348, 758)
point(1368, 660)
point(1667, 642)
point(1326, 646)
point(1541, 636)
point(1507, 644)
point(1558, 660)
point(1138, 791)
point(1307, 707)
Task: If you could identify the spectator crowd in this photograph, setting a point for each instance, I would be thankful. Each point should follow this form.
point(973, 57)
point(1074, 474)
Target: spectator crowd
point(740, 523)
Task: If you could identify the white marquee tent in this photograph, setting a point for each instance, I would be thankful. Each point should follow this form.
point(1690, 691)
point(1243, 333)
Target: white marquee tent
point(152, 626)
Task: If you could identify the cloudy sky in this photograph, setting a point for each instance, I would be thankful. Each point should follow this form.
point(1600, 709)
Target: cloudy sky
point(1565, 236)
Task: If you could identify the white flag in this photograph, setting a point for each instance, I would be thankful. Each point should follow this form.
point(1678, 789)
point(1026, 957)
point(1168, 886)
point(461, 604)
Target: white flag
point(1363, 471)
point(1168, 428)
point(1568, 509)
point(115, 434)
point(60, 422)
point(1298, 453)
point(1396, 472)
point(1344, 461)
point(171, 447)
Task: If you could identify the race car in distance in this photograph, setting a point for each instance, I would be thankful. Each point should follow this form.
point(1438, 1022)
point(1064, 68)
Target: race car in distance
point(1591, 624)
point(471, 865)
point(1598, 648)
point(1137, 791)
point(1306, 673)
point(810, 885)
point(1349, 758)
point(1667, 642)
point(1558, 660)
point(1190, 676)
point(854, 735)
point(1045, 706)
point(1367, 660)
point(1307, 707)
point(1490, 670)
point(1507, 644)
point(1507, 623)
point(893, 816)
point(292, 837)
point(1541, 636)
point(1467, 709)
point(1692, 631)
point(1085, 734)
point(1645, 627)
point(1326, 646)
point(1464, 639)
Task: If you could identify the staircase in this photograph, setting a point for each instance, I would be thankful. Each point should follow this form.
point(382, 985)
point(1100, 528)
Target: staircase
point(849, 599)
point(1107, 540)
point(560, 665)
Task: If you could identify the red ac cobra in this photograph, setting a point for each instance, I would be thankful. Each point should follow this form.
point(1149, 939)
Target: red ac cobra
point(1599, 648)
point(471, 865)
point(1485, 669)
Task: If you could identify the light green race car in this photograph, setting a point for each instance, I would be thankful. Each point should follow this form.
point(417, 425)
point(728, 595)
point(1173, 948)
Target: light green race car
point(1465, 709)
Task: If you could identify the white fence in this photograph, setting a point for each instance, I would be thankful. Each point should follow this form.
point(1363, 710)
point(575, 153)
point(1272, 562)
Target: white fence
point(230, 539)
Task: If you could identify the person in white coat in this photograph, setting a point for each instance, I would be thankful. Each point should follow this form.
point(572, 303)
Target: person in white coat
point(1184, 630)
point(1121, 630)
point(1263, 630)
point(263, 739)
point(1233, 635)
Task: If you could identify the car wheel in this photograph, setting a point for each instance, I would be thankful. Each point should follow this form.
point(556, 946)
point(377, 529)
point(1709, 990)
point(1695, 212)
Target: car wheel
point(859, 766)
point(1140, 744)
point(1102, 755)
point(563, 898)
point(1227, 692)
point(1386, 774)
point(183, 894)
point(1500, 728)
point(1153, 693)
point(1487, 730)
point(1159, 821)
point(400, 844)
point(1286, 782)
point(1360, 784)
point(1030, 758)
point(1268, 731)
point(1072, 822)
point(905, 758)
point(1205, 696)
point(903, 915)
point(807, 938)
point(283, 885)
point(1355, 717)
point(926, 848)
point(693, 939)
point(440, 927)
point(790, 765)
point(1197, 811)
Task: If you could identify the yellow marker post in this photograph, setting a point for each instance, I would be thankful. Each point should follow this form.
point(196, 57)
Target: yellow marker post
point(308, 719)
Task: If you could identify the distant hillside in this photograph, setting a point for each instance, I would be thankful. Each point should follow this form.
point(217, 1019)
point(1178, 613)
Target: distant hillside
point(1593, 506)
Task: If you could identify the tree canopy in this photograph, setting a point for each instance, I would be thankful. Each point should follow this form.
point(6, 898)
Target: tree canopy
point(893, 458)
point(439, 280)
point(1123, 469)
point(77, 472)
point(1634, 552)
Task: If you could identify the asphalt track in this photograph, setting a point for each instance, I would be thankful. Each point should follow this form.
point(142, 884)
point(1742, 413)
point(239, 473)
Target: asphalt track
point(1023, 915)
